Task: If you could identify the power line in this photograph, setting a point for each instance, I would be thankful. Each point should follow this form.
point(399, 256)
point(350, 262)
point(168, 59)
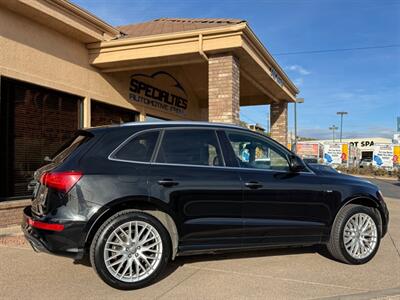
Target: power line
point(252, 120)
point(248, 118)
point(338, 50)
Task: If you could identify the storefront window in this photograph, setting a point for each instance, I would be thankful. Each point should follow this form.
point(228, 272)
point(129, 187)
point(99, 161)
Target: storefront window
point(105, 114)
point(35, 122)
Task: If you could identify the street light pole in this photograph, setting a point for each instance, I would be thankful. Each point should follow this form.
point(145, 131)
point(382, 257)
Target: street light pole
point(341, 113)
point(333, 128)
point(298, 100)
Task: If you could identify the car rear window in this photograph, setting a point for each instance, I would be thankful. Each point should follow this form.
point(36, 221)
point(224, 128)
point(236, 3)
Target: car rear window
point(139, 148)
point(70, 146)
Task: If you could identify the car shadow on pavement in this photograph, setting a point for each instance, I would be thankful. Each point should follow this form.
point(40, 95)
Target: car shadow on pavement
point(181, 261)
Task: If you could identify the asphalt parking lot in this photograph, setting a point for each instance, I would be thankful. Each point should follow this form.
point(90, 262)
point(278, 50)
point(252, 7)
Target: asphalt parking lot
point(389, 187)
point(305, 273)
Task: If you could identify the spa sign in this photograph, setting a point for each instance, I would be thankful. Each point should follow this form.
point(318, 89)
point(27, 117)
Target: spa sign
point(335, 153)
point(383, 156)
point(159, 90)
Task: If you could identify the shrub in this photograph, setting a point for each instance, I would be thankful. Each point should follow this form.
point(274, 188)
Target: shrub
point(369, 171)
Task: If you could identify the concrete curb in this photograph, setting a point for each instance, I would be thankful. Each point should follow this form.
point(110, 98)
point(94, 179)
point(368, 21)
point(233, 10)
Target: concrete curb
point(374, 177)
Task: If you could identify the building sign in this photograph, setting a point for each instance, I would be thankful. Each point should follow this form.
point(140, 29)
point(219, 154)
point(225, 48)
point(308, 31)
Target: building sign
point(307, 150)
point(335, 153)
point(362, 144)
point(383, 156)
point(159, 90)
point(276, 76)
point(396, 155)
point(345, 153)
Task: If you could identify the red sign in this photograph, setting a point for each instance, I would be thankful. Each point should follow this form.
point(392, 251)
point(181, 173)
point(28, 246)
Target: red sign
point(307, 149)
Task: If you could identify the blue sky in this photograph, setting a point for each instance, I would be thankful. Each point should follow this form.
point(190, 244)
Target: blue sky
point(366, 83)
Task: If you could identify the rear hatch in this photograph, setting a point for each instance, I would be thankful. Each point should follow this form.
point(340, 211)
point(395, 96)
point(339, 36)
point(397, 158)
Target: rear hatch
point(37, 187)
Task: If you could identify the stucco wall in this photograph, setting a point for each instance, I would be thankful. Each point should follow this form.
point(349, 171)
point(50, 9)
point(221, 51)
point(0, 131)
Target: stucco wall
point(37, 54)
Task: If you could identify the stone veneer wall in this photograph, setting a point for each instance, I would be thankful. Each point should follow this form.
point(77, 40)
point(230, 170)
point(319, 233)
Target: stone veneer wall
point(279, 122)
point(11, 212)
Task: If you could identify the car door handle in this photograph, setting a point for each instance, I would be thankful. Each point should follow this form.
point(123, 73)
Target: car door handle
point(253, 185)
point(167, 182)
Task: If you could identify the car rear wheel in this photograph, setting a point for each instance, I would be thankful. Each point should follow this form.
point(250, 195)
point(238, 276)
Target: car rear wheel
point(130, 250)
point(355, 235)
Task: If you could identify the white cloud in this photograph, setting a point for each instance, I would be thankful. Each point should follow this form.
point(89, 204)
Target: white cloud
point(298, 69)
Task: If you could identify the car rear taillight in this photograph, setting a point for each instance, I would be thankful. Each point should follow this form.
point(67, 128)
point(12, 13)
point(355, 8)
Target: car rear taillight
point(61, 181)
point(45, 226)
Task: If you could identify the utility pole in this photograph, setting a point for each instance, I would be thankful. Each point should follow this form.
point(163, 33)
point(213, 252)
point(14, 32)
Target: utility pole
point(341, 113)
point(333, 128)
point(298, 100)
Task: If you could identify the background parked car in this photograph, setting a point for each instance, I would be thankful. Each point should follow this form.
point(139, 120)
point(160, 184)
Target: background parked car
point(365, 162)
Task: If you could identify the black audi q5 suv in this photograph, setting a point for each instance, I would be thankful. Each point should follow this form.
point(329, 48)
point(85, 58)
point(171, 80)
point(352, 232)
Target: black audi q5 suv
point(134, 196)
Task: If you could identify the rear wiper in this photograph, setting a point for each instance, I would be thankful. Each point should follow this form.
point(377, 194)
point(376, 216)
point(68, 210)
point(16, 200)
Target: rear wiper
point(48, 159)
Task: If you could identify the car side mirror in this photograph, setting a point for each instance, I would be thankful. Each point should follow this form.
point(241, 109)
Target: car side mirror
point(296, 164)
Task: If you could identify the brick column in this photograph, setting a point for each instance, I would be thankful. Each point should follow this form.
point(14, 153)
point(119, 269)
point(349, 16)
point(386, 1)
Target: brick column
point(223, 89)
point(279, 122)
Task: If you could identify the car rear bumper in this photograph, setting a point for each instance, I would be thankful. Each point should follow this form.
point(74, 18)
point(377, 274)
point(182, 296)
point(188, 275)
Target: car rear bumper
point(64, 243)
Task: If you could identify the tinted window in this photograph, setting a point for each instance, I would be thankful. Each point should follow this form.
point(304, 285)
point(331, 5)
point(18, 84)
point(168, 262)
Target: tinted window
point(139, 148)
point(190, 147)
point(70, 146)
point(257, 153)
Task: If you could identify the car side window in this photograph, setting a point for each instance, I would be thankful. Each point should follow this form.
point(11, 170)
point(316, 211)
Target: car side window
point(256, 153)
point(139, 148)
point(190, 147)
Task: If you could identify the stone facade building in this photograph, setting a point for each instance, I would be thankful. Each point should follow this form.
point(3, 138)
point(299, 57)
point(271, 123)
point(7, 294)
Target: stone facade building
point(63, 68)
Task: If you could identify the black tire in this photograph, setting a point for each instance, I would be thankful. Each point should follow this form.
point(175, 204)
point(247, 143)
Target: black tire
point(336, 245)
point(99, 241)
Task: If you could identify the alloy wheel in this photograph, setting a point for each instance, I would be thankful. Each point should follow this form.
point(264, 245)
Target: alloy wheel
point(133, 251)
point(360, 236)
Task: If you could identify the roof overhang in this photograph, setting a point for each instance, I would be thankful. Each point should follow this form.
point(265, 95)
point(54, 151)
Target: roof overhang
point(256, 63)
point(64, 17)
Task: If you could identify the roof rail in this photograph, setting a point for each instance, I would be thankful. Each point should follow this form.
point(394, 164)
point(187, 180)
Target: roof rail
point(182, 123)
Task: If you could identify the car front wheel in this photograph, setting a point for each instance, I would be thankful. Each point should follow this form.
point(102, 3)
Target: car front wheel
point(130, 250)
point(355, 235)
